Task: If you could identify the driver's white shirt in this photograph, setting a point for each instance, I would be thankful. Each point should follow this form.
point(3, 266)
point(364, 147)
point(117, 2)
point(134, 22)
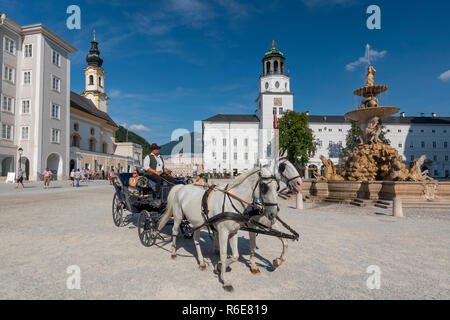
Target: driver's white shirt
point(159, 163)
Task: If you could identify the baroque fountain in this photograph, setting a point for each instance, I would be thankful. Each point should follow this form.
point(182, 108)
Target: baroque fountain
point(374, 170)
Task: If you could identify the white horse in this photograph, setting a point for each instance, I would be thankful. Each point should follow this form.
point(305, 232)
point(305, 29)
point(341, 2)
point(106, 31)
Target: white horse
point(288, 175)
point(187, 201)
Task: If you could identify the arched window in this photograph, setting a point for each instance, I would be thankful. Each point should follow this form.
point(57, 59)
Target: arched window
point(275, 66)
point(100, 81)
point(91, 80)
point(268, 67)
point(92, 144)
point(76, 140)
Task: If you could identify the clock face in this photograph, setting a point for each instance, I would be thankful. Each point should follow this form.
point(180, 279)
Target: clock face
point(277, 84)
point(267, 85)
point(278, 102)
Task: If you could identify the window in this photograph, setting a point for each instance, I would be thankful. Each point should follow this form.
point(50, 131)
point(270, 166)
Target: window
point(246, 142)
point(320, 130)
point(214, 155)
point(330, 130)
point(105, 147)
point(400, 145)
point(9, 45)
point(274, 110)
point(7, 131)
point(446, 158)
point(412, 157)
point(76, 140)
point(27, 77)
point(28, 50)
point(55, 136)
point(56, 111)
point(213, 141)
point(410, 130)
point(91, 80)
point(435, 158)
point(25, 106)
point(445, 144)
point(56, 59)
point(91, 144)
point(56, 84)
point(433, 131)
point(434, 144)
point(246, 156)
point(436, 173)
point(422, 144)
point(388, 130)
point(445, 131)
point(76, 126)
point(224, 156)
point(235, 142)
point(100, 81)
point(24, 133)
point(92, 131)
point(399, 130)
point(224, 142)
point(411, 145)
point(7, 104)
point(340, 130)
point(9, 74)
point(235, 156)
point(421, 131)
point(280, 110)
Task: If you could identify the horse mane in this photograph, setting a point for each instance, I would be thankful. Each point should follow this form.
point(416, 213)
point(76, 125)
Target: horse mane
point(238, 181)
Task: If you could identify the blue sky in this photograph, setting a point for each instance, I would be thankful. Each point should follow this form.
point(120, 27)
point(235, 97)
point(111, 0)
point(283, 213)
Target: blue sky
point(171, 62)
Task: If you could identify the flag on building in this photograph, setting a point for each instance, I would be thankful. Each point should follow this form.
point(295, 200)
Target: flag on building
point(275, 120)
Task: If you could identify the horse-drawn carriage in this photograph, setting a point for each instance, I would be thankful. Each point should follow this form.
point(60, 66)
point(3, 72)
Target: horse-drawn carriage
point(141, 200)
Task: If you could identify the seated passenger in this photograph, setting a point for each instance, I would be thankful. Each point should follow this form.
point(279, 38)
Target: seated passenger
point(132, 182)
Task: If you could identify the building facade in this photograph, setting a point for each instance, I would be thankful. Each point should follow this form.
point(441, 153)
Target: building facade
point(35, 95)
point(39, 115)
point(411, 136)
point(232, 142)
point(184, 164)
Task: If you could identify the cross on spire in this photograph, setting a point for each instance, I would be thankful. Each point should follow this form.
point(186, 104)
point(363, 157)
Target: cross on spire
point(94, 34)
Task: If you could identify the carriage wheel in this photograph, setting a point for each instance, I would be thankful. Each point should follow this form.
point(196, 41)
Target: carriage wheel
point(146, 228)
point(117, 211)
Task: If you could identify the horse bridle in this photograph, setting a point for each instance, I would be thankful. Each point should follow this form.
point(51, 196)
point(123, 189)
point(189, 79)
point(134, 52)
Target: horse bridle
point(270, 178)
point(281, 173)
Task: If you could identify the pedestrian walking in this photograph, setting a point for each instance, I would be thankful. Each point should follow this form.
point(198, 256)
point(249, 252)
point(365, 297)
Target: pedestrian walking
point(72, 177)
point(47, 178)
point(77, 177)
point(112, 175)
point(20, 178)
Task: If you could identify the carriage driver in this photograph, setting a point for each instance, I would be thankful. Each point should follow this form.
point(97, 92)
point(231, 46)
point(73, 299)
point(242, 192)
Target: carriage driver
point(155, 170)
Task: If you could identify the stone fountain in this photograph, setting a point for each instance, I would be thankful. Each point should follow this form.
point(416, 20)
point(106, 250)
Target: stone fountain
point(374, 170)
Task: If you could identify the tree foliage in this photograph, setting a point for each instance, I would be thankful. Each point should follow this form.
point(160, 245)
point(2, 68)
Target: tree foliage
point(121, 136)
point(296, 138)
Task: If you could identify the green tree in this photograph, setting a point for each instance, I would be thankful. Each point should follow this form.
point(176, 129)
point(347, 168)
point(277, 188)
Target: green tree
point(354, 137)
point(124, 135)
point(296, 138)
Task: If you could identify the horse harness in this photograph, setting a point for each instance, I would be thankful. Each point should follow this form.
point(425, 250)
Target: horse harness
point(245, 215)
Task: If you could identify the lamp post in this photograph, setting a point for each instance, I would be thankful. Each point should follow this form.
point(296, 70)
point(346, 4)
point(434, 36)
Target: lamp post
point(20, 158)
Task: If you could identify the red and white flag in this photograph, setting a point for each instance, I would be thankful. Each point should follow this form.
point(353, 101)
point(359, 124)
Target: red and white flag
point(275, 120)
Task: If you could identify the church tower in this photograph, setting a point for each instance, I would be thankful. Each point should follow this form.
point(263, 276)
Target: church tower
point(95, 78)
point(274, 97)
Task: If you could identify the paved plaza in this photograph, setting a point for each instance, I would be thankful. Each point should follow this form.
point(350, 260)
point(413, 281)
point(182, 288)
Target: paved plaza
point(43, 232)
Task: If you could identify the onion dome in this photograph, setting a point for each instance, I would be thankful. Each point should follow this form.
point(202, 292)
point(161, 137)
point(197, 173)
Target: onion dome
point(93, 58)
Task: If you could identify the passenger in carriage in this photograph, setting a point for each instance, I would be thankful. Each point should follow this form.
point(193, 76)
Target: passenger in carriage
point(155, 170)
point(132, 182)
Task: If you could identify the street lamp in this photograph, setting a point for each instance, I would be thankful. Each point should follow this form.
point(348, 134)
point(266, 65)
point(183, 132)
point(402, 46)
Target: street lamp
point(20, 158)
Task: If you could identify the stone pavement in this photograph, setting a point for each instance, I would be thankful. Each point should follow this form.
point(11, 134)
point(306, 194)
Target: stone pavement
point(43, 232)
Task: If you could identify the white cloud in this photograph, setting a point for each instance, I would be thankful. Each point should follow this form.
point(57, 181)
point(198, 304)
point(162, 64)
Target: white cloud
point(374, 55)
point(445, 76)
point(139, 127)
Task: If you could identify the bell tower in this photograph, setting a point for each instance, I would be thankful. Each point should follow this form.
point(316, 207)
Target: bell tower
point(95, 78)
point(274, 97)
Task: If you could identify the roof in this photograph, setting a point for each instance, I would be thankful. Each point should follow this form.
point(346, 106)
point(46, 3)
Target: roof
point(233, 118)
point(86, 105)
point(391, 120)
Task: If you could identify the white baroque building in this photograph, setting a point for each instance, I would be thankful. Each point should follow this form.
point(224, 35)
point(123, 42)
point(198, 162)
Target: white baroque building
point(411, 136)
point(236, 142)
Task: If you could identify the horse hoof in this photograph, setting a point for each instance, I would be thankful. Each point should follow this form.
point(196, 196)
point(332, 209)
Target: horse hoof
point(277, 262)
point(228, 288)
point(255, 270)
point(173, 256)
point(202, 267)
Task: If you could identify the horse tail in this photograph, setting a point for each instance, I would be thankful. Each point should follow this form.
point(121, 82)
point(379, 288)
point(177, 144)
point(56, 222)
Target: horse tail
point(169, 209)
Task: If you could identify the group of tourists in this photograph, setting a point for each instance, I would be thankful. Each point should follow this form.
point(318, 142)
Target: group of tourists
point(76, 176)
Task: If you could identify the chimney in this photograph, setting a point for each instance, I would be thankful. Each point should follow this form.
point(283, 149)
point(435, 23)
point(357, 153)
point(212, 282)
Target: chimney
point(402, 114)
point(422, 114)
point(433, 114)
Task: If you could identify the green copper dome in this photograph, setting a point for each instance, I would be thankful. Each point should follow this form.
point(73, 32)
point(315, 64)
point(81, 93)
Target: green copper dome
point(93, 58)
point(273, 52)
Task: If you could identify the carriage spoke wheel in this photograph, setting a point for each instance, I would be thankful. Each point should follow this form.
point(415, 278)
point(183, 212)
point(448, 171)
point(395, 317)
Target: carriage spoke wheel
point(117, 211)
point(146, 228)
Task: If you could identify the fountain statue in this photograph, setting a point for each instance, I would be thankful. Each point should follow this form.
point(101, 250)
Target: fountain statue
point(373, 160)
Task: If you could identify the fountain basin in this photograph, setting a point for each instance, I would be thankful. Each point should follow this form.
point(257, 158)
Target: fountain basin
point(365, 114)
point(370, 90)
